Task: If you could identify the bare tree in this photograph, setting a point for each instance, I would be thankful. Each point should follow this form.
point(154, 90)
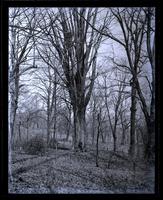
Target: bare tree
point(116, 96)
point(20, 45)
point(133, 32)
point(150, 115)
point(93, 106)
point(136, 33)
point(125, 125)
point(76, 44)
point(67, 114)
point(98, 135)
point(47, 88)
point(132, 23)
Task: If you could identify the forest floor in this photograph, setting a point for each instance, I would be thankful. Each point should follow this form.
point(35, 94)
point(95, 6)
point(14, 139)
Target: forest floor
point(64, 171)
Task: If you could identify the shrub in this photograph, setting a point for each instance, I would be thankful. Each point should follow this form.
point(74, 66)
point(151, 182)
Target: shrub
point(35, 146)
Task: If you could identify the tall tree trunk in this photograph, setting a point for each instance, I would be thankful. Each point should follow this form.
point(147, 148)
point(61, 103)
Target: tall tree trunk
point(79, 129)
point(93, 122)
point(123, 129)
point(14, 94)
point(48, 127)
point(152, 117)
point(133, 119)
point(115, 130)
point(54, 130)
point(93, 131)
point(12, 122)
point(123, 137)
point(20, 139)
point(150, 149)
point(150, 121)
point(55, 108)
point(114, 142)
point(150, 145)
point(152, 108)
point(98, 135)
point(68, 125)
point(75, 145)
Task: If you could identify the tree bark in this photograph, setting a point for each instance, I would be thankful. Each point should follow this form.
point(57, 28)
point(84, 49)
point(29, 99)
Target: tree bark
point(68, 123)
point(133, 119)
point(48, 123)
point(98, 135)
point(20, 139)
point(150, 122)
point(150, 148)
point(80, 129)
point(93, 123)
point(55, 107)
point(115, 143)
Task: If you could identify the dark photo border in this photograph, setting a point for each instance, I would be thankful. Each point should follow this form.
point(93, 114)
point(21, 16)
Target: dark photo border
point(5, 4)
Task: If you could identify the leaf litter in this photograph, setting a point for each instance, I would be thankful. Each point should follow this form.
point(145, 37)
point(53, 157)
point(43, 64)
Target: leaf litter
point(64, 171)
